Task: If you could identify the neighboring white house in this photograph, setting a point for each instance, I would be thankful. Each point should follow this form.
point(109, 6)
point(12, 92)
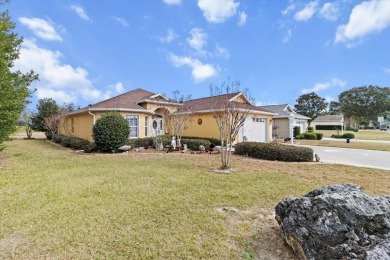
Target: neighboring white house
point(328, 122)
point(285, 120)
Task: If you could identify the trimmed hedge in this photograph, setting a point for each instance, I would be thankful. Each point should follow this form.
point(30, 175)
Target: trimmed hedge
point(274, 151)
point(310, 136)
point(71, 141)
point(345, 136)
point(148, 141)
point(193, 144)
point(214, 141)
point(328, 127)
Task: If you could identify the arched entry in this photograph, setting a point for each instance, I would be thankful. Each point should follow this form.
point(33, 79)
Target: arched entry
point(158, 127)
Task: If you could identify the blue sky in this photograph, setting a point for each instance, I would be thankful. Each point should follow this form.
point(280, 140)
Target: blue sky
point(87, 51)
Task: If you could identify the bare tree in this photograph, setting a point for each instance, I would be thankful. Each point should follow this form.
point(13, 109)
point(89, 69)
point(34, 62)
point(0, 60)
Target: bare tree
point(56, 122)
point(230, 117)
point(178, 122)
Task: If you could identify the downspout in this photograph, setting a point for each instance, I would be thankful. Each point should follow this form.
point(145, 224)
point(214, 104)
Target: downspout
point(94, 117)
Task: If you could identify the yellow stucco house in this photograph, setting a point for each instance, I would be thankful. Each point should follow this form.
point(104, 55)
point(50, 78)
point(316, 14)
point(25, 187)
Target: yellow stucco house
point(143, 110)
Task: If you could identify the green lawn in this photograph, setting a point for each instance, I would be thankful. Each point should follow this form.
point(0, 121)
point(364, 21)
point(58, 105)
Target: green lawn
point(362, 134)
point(55, 203)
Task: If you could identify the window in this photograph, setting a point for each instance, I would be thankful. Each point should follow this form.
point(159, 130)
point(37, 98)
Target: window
point(72, 125)
point(146, 125)
point(133, 125)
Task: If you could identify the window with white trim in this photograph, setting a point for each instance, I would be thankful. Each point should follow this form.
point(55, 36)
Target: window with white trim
point(133, 125)
point(146, 125)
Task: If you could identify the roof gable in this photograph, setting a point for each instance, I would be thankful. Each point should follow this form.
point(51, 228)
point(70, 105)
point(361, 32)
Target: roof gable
point(283, 111)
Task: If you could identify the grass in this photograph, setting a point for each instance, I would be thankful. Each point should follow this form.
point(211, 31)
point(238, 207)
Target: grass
point(353, 144)
point(55, 203)
point(362, 134)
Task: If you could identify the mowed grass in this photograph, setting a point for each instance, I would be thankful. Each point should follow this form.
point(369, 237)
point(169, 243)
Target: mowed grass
point(353, 144)
point(361, 134)
point(55, 203)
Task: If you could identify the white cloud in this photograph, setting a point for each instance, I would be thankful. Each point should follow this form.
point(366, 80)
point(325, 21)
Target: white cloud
point(328, 99)
point(222, 52)
point(217, 11)
point(330, 11)
point(122, 21)
point(171, 35)
point(386, 70)
point(366, 18)
point(172, 2)
point(335, 82)
point(288, 9)
point(287, 36)
point(307, 12)
point(197, 40)
point(200, 71)
point(118, 87)
point(242, 16)
point(41, 28)
point(60, 81)
point(80, 12)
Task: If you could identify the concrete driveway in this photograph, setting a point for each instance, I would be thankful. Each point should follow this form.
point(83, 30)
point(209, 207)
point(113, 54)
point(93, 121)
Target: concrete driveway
point(354, 157)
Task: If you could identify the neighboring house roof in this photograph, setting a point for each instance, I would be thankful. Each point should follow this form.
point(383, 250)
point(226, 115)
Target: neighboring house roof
point(219, 102)
point(329, 118)
point(284, 111)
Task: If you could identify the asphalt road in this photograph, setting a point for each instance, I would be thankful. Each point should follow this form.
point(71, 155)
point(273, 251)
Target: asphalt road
point(355, 157)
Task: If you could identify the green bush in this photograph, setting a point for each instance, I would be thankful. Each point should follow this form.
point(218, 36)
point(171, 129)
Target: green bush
point(214, 141)
point(319, 136)
point(328, 127)
point(90, 148)
point(310, 129)
point(310, 136)
point(148, 141)
point(300, 136)
point(348, 135)
point(58, 138)
point(274, 151)
point(193, 144)
point(110, 132)
point(79, 143)
point(297, 131)
point(66, 141)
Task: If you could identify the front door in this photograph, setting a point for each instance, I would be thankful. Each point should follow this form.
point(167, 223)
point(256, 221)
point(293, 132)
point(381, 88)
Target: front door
point(158, 126)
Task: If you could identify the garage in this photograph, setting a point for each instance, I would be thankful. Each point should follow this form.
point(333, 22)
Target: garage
point(254, 130)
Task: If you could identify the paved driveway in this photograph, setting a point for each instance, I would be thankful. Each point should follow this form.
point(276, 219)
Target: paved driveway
point(355, 157)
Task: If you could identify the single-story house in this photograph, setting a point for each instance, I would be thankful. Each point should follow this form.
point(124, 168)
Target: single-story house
point(144, 111)
point(284, 119)
point(328, 122)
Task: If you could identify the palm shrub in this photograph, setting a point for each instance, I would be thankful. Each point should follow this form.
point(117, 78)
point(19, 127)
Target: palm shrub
point(110, 132)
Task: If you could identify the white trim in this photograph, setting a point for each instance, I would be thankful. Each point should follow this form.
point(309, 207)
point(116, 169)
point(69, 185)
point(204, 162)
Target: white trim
point(158, 95)
point(111, 109)
point(159, 102)
point(223, 109)
point(240, 94)
point(138, 124)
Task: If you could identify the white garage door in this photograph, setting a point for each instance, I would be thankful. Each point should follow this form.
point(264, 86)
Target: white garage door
point(254, 130)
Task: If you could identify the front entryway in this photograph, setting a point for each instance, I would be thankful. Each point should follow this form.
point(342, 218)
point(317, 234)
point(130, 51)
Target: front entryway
point(157, 126)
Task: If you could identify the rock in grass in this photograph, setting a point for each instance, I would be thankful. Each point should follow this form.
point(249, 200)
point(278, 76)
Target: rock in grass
point(336, 222)
point(124, 148)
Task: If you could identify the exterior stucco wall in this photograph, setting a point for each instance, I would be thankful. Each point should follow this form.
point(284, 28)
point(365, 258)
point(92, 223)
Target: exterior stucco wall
point(207, 128)
point(78, 125)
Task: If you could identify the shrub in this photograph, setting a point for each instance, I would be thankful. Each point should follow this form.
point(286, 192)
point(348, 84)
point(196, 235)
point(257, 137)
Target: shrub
point(319, 136)
point(310, 136)
point(328, 127)
point(300, 136)
point(310, 129)
point(348, 135)
point(58, 138)
point(194, 144)
point(78, 143)
point(66, 141)
point(148, 141)
point(274, 151)
point(297, 131)
point(110, 132)
point(214, 141)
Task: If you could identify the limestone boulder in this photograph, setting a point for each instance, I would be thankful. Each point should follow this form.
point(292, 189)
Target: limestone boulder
point(336, 222)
